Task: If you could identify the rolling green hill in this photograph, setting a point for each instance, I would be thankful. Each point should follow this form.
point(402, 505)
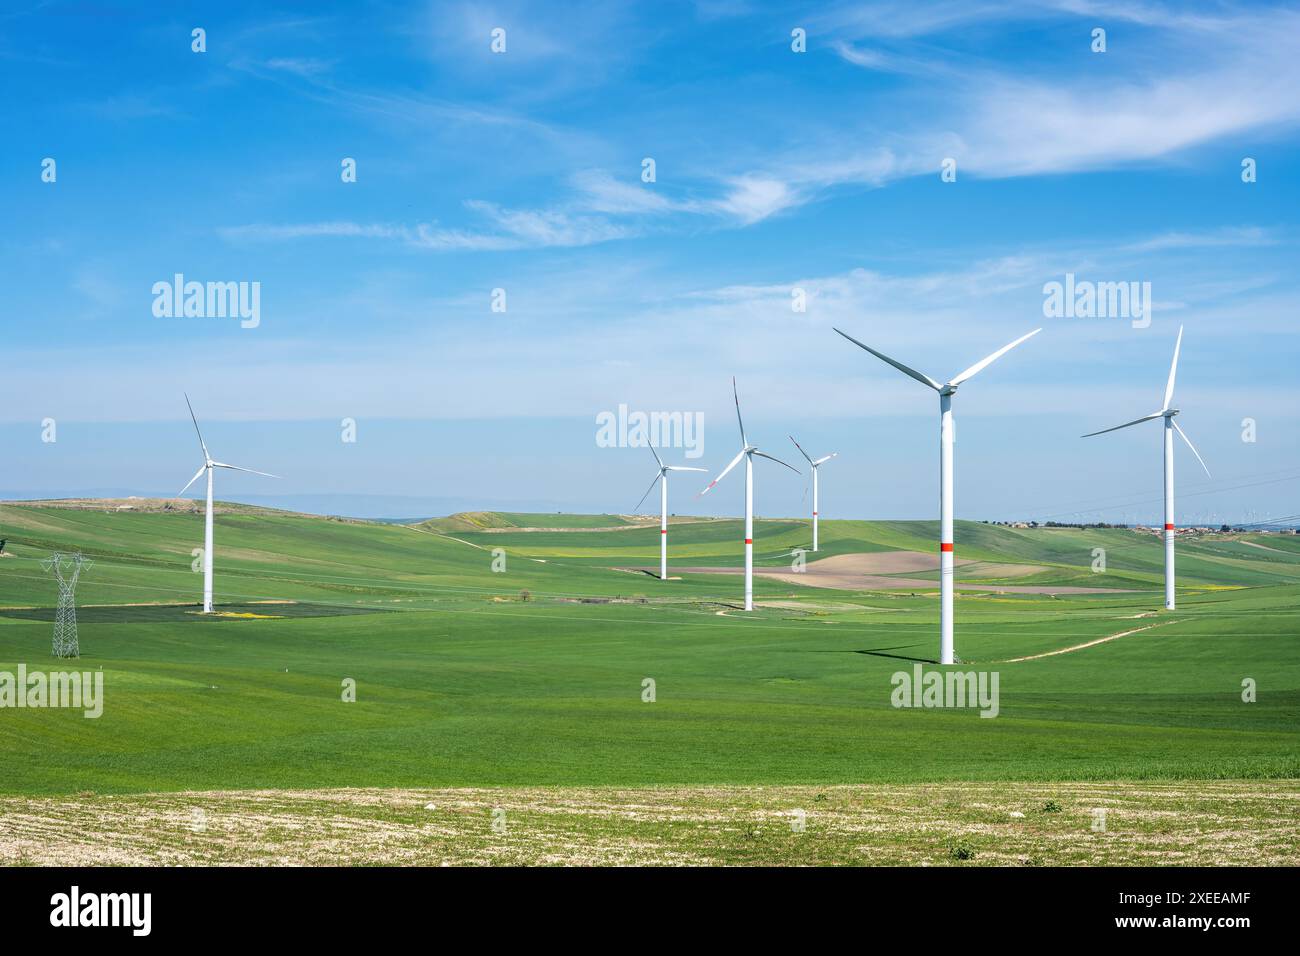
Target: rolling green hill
point(534, 675)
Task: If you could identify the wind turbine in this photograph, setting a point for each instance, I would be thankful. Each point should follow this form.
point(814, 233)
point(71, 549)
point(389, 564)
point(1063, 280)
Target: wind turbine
point(663, 507)
point(1171, 426)
point(747, 452)
point(945, 391)
point(815, 465)
point(208, 466)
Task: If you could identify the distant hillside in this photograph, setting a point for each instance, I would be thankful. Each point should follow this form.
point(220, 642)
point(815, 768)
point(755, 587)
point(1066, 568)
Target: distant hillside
point(146, 554)
point(467, 521)
point(159, 506)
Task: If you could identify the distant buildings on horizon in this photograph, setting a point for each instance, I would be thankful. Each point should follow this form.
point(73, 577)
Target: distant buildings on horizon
point(1149, 529)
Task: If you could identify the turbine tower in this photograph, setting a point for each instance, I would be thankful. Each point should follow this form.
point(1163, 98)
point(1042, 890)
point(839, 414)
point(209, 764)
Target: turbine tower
point(747, 452)
point(946, 392)
point(208, 466)
point(815, 465)
point(663, 507)
point(1171, 426)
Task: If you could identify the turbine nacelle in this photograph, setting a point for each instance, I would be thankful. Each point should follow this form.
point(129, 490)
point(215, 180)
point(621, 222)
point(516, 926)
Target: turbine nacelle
point(747, 451)
point(814, 463)
point(949, 387)
point(208, 462)
point(661, 476)
point(1166, 412)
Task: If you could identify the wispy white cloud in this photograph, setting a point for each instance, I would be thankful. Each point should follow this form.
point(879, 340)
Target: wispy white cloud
point(1018, 128)
point(1213, 238)
point(503, 229)
point(900, 20)
point(406, 109)
point(1200, 82)
point(261, 232)
point(300, 65)
point(600, 208)
point(755, 197)
point(522, 229)
point(896, 19)
point(884, 61)
point(601, 192)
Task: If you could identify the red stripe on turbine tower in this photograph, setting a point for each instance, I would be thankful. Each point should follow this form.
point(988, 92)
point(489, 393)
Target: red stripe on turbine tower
point(663, 530)
point(945, 546)
point(1169, 527)
point(749, 541)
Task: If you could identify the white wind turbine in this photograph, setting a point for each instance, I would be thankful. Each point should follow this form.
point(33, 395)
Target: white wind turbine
point(663, 507)
point(1171, 426)
point(208, 466)
point(945, 391)
point(815, 465)
point(747, 452)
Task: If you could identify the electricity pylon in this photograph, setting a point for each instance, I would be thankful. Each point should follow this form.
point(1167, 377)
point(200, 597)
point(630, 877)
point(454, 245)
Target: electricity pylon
point(66, 568)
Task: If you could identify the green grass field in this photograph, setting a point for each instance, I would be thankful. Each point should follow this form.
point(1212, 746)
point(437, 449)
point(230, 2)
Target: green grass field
point(532, 677)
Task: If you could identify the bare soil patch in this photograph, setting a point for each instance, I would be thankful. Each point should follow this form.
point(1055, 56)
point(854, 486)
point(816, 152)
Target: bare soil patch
point(1191, 822)
point(881, 570)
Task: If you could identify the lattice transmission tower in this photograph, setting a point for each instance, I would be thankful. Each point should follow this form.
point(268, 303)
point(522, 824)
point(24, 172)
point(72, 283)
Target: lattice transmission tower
point(66, 569)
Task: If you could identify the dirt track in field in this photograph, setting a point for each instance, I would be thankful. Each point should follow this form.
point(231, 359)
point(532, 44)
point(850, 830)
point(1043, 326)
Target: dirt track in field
point(1086, 644)
point(878, 571)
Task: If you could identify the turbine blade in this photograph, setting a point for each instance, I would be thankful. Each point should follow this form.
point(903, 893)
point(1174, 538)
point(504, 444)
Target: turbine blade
point(647, 491)
point(217, 464)
point(801, 451)
point(986, 362)
point(206, 456)
point(197, 475)
point(763, 454)
point(919, 376)
point(658, 460)
point(743, 440)
point(1136, 421)
point(1173, 372)
point(825, 459)
point(1194, 451)
point(734, 462)
point(682, 468)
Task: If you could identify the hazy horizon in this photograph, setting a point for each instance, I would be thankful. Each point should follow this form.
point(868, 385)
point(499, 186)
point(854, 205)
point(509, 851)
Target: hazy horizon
point(389, 508)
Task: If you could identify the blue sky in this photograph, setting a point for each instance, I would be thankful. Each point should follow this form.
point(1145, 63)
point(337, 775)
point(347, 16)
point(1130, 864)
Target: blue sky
point(775, 170)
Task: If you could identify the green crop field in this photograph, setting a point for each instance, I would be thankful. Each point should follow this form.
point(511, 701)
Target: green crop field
point(533, 676)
